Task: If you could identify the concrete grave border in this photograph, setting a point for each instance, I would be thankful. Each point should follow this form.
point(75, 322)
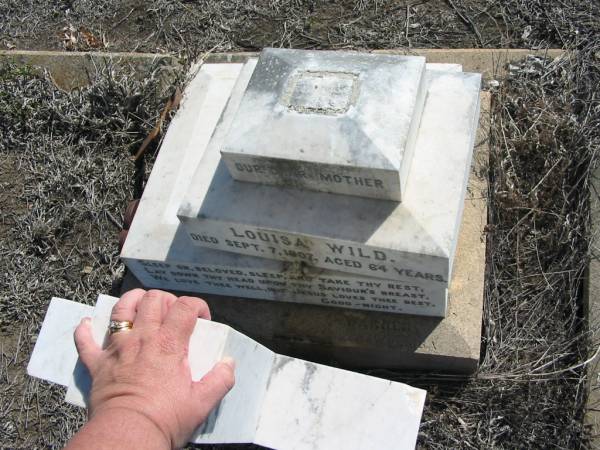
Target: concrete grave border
point(69, 69)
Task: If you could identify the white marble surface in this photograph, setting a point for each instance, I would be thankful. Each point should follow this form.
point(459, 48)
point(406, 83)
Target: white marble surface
point(161, 254)
point(57, 365)
point(327, 121)
point(445, 67)
point(79, 382)
point(332, 419)
point(278, 402)
point(410, 241)
point(238, 415)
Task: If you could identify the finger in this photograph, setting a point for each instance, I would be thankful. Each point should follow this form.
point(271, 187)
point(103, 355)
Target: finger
point(126, 306)
point(166, 306)
point(89, 351)
point(150, 309)
point(182, 316)
point(204, 312)
point(213, 386)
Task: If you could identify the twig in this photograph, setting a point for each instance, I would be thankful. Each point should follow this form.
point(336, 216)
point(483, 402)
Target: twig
point(467, 21)
point(122, 20)
point(171, 104)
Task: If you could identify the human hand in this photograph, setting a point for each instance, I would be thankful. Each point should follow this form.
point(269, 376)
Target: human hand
point(145, 371)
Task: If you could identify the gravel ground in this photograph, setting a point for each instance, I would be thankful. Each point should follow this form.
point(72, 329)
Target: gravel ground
point(66, 173)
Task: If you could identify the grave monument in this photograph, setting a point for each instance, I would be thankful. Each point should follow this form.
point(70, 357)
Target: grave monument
point(326, 178)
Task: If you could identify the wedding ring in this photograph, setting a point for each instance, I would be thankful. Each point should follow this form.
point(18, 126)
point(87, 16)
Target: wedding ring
point(119, 325)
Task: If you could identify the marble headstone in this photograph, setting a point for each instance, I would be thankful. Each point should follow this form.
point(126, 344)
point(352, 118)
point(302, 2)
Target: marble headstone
point(278, 402)
point(254, 294)
point(161, 255)
point(341, 122)
point(414, 240)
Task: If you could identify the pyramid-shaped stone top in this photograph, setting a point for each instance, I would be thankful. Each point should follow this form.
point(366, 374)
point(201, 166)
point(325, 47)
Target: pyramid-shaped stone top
point(339, 122)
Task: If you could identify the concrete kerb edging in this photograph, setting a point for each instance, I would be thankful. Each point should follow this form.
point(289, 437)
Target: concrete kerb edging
point(70, 69)
point(592, 313)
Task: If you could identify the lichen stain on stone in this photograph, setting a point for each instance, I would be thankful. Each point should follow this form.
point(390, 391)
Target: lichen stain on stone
point(295, 272)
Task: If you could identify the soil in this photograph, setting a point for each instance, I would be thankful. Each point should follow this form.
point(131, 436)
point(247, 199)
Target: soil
point(11, 189)
point(178, 26)
point(65, 176)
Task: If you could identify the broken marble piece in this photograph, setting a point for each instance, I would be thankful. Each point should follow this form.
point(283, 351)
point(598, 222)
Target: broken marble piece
point(44, 364)
point(329, 121)
point(414, 240)
point(278, 402)
point(161, 254)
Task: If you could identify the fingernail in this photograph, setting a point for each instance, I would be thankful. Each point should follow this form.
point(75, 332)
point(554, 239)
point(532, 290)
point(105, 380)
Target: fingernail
point(86, 321)
point(228, 360)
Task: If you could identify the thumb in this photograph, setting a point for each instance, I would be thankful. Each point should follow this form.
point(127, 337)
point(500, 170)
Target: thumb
point(213, 386)
point(87, 348)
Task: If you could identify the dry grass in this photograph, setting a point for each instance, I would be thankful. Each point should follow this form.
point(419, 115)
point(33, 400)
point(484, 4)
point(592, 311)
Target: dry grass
point(530, 390)
point(66, 165)
point(178, 26)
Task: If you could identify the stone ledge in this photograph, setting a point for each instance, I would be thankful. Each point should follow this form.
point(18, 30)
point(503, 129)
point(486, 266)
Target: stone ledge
point(70, 70)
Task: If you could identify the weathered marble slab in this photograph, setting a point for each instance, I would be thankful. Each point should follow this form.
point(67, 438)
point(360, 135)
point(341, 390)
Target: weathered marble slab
point(411, 241)
point(340, 122)
point(278, 401)
point(43, 364)
point(445, 67)
point(161, 254)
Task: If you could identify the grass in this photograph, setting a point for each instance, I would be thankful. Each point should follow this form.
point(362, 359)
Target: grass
point(179, 26)
point(66, 161)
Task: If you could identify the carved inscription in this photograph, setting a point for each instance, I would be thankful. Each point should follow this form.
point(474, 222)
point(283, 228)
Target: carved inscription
point(320, 253)
point(295, 176)
point(342, 291)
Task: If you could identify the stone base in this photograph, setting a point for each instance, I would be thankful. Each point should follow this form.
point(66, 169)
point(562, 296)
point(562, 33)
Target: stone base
point(592, 312)
point(358, 339)
point(349, 338)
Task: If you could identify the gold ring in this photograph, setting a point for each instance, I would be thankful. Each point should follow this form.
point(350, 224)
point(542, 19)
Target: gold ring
point(119, 325)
